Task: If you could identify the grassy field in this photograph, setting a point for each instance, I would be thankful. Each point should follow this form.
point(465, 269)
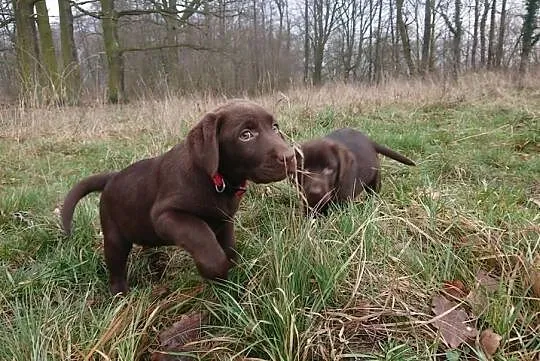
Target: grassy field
point(357, 284)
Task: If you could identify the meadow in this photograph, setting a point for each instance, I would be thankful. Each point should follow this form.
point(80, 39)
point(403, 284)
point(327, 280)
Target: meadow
point(357, 284)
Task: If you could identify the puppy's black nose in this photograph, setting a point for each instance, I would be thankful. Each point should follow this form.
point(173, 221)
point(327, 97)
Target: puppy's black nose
point(288, 158)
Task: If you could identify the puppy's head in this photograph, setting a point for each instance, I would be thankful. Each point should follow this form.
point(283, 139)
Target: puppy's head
point(325, 172)
point(241, 140)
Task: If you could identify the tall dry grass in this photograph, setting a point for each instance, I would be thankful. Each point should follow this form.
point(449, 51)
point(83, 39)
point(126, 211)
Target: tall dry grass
point(169, 116)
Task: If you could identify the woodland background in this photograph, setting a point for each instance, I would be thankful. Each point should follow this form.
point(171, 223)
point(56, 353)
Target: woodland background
point(113, 50)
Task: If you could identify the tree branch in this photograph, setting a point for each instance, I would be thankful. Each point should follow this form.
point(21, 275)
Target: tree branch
point(535, 40)
point(87, 2)
point(161, 47)
point(138, 12)
point(6, 22)
point(84, 11)
point(447, 21)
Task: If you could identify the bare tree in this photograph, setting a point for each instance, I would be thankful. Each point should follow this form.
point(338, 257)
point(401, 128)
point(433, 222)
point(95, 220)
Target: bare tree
point(347, 30)
point(529, 36)
point(500, 43)
point(307, 43)
point(491, 39)
point(475, 33)
point(50, 79)
point(323, 15)
point(483, 21)
point(71, 78)
point(456, 30)
point(377, 59)
point(109, 21)
point(26, 46)
point(426, 41)
point(405, 42)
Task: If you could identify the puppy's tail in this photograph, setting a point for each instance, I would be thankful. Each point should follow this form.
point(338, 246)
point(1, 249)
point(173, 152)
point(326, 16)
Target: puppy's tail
point(381, 149)
point(88, 185)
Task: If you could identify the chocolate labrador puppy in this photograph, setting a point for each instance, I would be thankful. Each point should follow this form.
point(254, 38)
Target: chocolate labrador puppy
point(339, 166)
point(188, 196)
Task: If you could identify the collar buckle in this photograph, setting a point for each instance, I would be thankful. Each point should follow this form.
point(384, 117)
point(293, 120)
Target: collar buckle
point(220, 185)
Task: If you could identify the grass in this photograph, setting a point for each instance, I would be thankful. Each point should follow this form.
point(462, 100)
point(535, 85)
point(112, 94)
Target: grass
point(354, 285)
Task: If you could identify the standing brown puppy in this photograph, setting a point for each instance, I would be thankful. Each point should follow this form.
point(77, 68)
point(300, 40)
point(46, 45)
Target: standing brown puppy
point(188, 196)
point(338, 167)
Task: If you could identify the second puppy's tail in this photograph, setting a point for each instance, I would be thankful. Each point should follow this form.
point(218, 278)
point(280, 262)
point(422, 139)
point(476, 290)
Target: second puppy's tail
point(381, 149)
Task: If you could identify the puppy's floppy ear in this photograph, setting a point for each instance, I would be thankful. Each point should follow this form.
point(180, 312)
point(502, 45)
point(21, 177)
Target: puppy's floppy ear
point(203, 145)
point(345, 181)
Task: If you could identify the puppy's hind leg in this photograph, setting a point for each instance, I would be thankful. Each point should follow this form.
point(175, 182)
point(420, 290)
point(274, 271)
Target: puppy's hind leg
point(116, 255)
point(375, 185)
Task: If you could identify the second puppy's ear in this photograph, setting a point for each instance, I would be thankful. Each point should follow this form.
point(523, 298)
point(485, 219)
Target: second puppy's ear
point(345, 173)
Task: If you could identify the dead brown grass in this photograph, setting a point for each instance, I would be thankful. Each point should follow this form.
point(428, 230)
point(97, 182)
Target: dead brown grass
point(171, 116)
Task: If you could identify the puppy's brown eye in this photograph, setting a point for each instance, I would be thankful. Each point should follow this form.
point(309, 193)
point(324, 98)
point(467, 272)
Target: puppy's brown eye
point(275, 128)
point(246, 135)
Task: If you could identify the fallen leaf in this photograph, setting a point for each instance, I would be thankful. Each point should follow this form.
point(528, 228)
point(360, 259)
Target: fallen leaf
point(455, 288)
point(489, 283)
point(489, 342)
point(535, 201)
point(175, 338)
point(451, 322)
point(484, 286)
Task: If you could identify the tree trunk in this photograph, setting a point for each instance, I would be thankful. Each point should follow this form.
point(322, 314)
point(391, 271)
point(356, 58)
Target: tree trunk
point(417, 33)
point(50, 79)
point(318, 56)
point(71, 77)
point(394, 43)
point(255, 62)
point(378, 68)
point(475, 33)
point(171, 24)
point(113, 52)
point(491, 40)
point(306, 41)
point(370, 42)
point(318, 50)
point(427, 37)
point(25, 46)
point(483, 22)
point(456, 64)
point(279, 43)
point(404, 37)
point(432, 45)
point(529, 38)
point(324, 17)
point(500, 44)
point(348, 26)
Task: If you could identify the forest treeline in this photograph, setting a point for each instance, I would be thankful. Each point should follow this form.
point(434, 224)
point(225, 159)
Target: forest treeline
point(118, 49)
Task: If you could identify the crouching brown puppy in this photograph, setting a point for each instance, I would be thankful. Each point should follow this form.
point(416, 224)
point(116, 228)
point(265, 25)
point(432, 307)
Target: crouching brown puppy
point(187, 196)
point(339, 166)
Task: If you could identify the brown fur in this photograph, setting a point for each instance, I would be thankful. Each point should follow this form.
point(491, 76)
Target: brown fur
point(338, 167)
point(172, 200)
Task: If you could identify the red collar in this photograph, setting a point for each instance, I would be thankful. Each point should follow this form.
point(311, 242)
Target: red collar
point(221, 186)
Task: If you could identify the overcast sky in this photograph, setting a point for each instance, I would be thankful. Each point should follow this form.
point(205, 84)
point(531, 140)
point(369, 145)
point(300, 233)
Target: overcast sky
point(52, 6)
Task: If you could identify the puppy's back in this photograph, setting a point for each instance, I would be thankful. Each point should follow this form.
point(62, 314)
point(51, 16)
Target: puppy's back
point(358, 143)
